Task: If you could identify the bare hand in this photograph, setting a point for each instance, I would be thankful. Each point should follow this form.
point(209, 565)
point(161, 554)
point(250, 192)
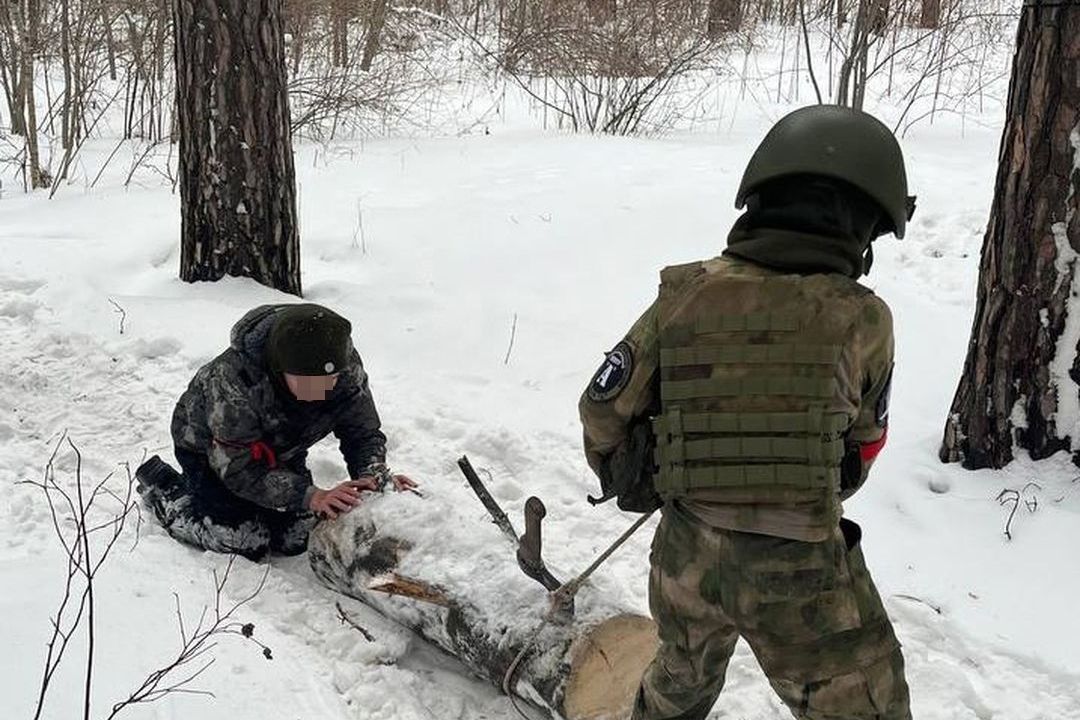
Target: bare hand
point(337, 501)
point(403, 483)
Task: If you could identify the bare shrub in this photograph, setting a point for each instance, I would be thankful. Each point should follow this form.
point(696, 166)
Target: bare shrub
point(89, 520)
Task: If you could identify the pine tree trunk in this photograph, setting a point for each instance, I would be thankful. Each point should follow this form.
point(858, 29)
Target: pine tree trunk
point(1020, 376)
point(237, 182)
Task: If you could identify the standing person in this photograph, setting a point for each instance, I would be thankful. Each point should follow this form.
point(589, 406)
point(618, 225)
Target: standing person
point(241, 430)
point(749, 401)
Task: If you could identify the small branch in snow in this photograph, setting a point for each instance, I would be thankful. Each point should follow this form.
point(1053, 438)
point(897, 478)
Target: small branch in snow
point(914, 598)
point(358, 239)
point(176, 676)
point(120, 310)
point(1015, 497)
point(1072, 486)
point(347, 619)
point(513, 334)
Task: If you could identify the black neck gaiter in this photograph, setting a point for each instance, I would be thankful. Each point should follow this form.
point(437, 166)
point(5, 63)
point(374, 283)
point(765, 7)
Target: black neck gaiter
point(807, 225)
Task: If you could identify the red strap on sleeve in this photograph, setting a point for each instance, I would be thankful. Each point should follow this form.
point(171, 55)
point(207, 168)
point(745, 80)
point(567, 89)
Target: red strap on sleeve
point(869, 451)
point(260, 451)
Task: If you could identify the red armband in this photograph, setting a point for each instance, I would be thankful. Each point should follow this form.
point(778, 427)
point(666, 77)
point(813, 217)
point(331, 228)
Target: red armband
point(869, 451)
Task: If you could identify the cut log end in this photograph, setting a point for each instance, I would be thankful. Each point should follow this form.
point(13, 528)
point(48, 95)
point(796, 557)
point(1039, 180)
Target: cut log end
point(607, 666)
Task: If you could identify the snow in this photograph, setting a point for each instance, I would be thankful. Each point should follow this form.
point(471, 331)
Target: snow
point(1067, 416)
point(461, 236)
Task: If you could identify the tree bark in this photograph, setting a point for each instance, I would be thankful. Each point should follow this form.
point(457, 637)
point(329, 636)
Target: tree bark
point(10, 64)
point(374, 33)
point(1020, 376)
point(724, 16)
point(930, 17)
point(237, 181)
point(30, 20)
point(455, 582)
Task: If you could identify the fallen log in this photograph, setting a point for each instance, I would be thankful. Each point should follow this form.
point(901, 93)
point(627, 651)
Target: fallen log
point(432, 568)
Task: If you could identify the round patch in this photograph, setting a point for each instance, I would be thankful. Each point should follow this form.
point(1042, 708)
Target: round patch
point(613, 375)
point(329, 367)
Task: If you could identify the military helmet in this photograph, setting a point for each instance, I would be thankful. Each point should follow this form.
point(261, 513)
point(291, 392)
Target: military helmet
point(839, 143)
point(309, 339)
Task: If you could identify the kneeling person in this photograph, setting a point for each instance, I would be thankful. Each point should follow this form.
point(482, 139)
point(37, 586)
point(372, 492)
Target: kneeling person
point(241, 430)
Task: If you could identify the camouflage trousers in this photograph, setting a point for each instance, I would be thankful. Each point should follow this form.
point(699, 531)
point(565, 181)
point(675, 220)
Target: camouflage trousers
point(196, 509)
point(809, 612)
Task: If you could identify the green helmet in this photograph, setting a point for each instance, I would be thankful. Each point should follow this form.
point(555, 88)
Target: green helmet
point(840, 143)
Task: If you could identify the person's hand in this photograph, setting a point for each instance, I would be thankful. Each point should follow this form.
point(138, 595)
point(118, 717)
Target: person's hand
point(337, 501)
point(403, 483)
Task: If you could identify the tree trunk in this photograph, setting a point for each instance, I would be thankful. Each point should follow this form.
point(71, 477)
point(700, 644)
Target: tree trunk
point(10, 64)
point(237, 182)
point(878, 16)
point(453, 579)
point(724, 16)
point(374, 33)
point(67, 115)
point(110, 39)
point(1020, 376)
point(30, 20)
point(930, 17)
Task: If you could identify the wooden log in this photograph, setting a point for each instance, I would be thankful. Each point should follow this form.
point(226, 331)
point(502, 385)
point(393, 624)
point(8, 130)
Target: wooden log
point(453, 579)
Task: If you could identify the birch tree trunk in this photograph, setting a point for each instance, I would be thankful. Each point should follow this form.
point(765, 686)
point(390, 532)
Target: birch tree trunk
point(1020, 377)
point(237, 181)
point(451, 577)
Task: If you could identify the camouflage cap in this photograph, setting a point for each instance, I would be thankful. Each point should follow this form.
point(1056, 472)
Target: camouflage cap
point(309, 339)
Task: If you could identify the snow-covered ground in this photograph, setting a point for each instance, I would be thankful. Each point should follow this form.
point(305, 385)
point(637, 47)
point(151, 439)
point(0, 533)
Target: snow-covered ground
point(460, 237)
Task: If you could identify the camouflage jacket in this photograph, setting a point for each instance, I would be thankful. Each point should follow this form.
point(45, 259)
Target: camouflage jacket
point(253, 432)
point(626, 390)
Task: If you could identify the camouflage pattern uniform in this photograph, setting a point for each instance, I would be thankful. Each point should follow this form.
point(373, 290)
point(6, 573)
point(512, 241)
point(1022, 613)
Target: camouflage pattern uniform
point(242, 438)
point(765, 556)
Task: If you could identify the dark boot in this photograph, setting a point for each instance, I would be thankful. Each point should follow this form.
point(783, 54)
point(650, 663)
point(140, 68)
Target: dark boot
point(161, 476)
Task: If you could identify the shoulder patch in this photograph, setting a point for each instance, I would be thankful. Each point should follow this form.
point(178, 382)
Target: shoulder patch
point(881, 410)
point(613, 375)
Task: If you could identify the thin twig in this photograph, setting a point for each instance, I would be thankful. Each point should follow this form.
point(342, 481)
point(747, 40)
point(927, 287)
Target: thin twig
point(347, 619)
point(513, 334)
point(121, 311)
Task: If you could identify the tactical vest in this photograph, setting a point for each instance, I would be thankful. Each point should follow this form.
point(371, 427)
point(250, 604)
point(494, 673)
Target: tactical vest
point(748, 381)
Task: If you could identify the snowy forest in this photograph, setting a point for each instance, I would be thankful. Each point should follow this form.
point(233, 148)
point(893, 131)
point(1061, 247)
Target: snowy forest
point(487, 192)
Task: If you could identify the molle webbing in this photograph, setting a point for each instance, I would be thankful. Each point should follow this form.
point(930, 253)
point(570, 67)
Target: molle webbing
point(679, 479)
point(813, 422)
point(751, 355)
point(803, 387)
point(807, 449)
point(704, 440)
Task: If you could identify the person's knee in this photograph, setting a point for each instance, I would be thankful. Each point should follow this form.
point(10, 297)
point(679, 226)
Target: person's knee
point(876, 691)
point(291, 536)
